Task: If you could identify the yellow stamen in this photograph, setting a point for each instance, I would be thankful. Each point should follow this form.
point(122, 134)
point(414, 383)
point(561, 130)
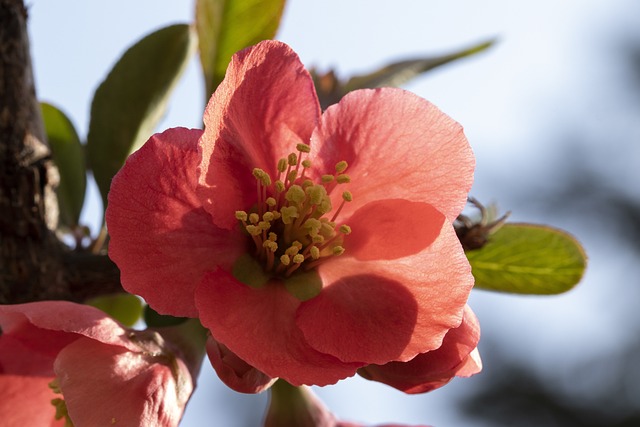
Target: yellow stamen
point(326, 179)
point(343, 178)
point(303, 148)
point(346, 197)
point(288, 225)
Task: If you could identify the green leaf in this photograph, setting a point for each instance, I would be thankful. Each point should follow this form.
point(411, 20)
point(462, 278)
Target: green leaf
point(133, 98)
point(227, 26)
point(528, 259)
point(399, 73)
point(153, 319)
point(125, 308)
point(331, 90)
point(68, 155)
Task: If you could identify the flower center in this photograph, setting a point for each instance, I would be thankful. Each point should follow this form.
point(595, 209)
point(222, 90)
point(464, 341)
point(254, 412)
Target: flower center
point(291, 226)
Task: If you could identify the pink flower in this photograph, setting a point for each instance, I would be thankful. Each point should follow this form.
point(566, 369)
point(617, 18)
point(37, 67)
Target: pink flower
point(309, 244)
point(107, 374)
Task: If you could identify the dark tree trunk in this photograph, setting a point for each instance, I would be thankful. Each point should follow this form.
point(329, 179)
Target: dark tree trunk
point(34, 265)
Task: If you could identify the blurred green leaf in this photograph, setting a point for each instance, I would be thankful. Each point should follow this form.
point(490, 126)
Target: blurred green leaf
point(125, 308)
point(153, 319)
point(227, 26)
point(68, 155)
point(528, 259)
point(331, 90)
point(133, 98)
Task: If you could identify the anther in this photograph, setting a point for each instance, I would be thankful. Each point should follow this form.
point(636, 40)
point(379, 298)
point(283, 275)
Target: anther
point(313, 225)
point(282, 165)
point(264, 225)
point(253, 230)
point(268, 216)
point(345, 229)
point(316, 193)
point(288, 213)
point(270, 245)
point(346, 197)
point(315, 252)
point(295, 194)
point(343, 178)
point(262, 176)
point(303, 148)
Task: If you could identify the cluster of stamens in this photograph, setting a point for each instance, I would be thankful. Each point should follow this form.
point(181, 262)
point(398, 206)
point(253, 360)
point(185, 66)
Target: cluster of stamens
point(288, 225)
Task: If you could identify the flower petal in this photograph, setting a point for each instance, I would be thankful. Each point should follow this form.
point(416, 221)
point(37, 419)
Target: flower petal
point(424, 294)
point(264, 107)
point(235, 372)
point(105, 385)
point(26, 401)
point(391, 229)
point(380, 314)
point(258, 326)
point(34, 333)
point(161, 238)
point(456, 357)
point(397, 145)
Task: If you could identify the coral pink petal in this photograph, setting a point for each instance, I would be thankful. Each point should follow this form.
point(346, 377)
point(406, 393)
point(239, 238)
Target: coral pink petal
point(264, 107)
point(161, 238)
point(456, 357)
point(258, 326)
point(28, 350)
point(235, 372)
point(397, 145)
point(471, 366)
point(34, 333)
point(392, 229)
point(395, 309)
point(106, 385)
point(361, 317)
point(26, 401)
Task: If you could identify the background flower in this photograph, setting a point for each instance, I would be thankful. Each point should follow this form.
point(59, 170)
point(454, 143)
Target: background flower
point(106, 373)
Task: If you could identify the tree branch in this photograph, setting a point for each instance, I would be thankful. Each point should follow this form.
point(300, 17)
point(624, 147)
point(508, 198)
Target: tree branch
point(34, 265)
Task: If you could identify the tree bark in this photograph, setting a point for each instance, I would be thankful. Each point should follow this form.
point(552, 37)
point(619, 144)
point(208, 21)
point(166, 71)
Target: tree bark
point(34, 264)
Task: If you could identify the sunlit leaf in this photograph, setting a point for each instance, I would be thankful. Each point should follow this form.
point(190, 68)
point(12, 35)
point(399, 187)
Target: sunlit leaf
point(68, 155)
point(331, 90)
point(528, 259)
point(133, 98)
point(227, 26)
point(125, 308)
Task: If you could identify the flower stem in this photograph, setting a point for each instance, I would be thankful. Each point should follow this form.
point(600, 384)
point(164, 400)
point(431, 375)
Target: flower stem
point(292, 406)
